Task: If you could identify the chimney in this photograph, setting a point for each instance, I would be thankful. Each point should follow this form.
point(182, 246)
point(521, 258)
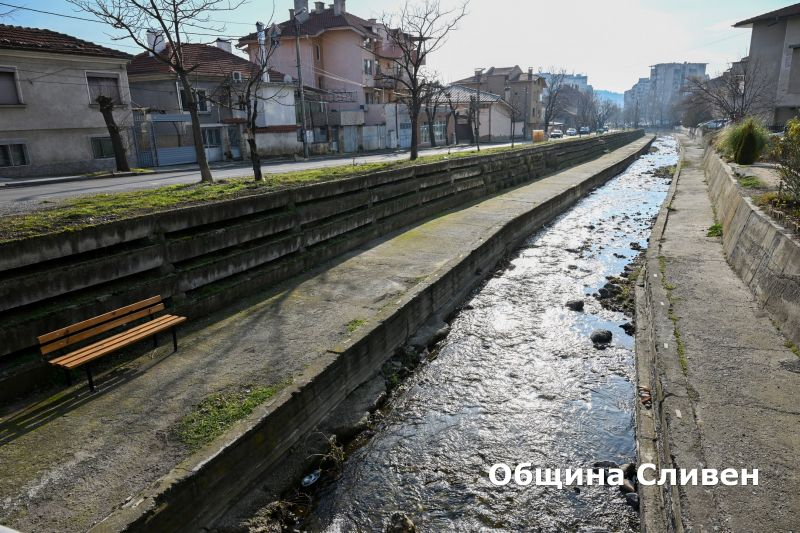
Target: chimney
point(478, 73)
point(222, 44)
point(291, 14)
point(339, 7)
point(319, 7)
point(156, 41)
point(530, 73)
point(300, 4)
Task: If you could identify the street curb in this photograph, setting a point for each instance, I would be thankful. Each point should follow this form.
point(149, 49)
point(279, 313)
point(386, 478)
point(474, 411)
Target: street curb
point(67, 179)
point(659, 507)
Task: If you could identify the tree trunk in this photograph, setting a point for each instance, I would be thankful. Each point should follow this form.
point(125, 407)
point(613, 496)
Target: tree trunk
point(447, 129)
point(431, 133)
point(414, 134)
point(255, 158)
point(197, 134)
point(107, 109)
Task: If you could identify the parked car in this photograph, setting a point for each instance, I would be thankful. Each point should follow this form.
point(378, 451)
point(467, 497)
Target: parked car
point(714, 124)
point(584, 130)
point(600, 131)
point(605, 129)
point(571, 131)
point(556, 134)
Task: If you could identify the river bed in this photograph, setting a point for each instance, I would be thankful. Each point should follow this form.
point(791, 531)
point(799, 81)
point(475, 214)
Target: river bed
point(516, 380)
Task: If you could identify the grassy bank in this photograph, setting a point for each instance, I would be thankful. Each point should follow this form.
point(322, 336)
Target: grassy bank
point(83, 211)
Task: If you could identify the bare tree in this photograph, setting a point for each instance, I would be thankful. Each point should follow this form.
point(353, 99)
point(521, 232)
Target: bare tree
point(416, 32)
point(248, 93)
point(586, 109)
point(173, 21)
point(555, 101)
point(432, 98)
point(604, 112)
point(741, 91)
point(452, 113)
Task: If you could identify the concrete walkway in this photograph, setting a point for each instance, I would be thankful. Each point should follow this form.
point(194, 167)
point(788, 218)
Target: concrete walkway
point(72, 459)
point(732, 402)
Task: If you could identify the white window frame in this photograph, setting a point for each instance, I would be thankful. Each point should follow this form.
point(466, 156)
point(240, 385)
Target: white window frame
point(4, 142)
point(15, 72)
point(104, 74)
point(91, 148)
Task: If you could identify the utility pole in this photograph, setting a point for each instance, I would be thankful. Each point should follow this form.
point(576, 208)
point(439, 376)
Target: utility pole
point(478, 72)
point(302, 13)
point(526, 122)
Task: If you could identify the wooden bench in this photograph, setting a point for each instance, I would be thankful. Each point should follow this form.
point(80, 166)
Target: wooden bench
point(59, 340)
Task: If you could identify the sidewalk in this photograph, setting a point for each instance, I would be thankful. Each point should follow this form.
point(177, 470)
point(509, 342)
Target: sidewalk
point(729, 383)
point(73, 458)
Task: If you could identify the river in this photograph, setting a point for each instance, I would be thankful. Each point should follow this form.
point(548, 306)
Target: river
point(516, 380)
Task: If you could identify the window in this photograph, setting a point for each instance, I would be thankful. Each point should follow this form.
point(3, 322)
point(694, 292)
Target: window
point(211, 138)
point(200, 96)
point(102, 148)
point(318, 52)
point(9, 95)
point(103, 85)
point(13, 155)
point(368, 66)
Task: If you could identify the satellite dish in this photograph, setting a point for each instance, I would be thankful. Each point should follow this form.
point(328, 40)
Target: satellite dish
point(301, 16)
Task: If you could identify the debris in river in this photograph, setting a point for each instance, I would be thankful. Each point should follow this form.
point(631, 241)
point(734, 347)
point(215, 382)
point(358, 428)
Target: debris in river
point(312, 478)
point(633, 499)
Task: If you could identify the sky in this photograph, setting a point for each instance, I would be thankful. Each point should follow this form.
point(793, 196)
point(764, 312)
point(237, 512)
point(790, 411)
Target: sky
point(612, 41)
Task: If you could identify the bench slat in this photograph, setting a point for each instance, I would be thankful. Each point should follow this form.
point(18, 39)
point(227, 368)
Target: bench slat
point(75, 328)
point(118, 341)
point(102, 328)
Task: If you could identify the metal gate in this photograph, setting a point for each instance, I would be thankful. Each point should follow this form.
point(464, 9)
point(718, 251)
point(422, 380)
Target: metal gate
point(350, 138)
point(143, 141)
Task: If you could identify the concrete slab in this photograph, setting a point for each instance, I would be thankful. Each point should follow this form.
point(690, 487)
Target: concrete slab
point(736, 396)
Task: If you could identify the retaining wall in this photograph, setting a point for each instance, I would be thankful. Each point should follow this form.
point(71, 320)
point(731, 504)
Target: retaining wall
point(198, 490)
point(765, 255)
point(203, 257)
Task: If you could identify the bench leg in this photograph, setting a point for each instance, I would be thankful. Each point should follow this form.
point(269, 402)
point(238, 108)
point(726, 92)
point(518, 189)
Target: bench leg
point(89, 376)
point(69, 378)
point(174, 341)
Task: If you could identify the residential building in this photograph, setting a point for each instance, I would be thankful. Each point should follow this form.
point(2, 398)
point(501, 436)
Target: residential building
point(523, 91)
point(164, 132)
point(655, 101)
point(342, 61)
point(775, 58)
point(49, 120)
point(495, 115)
point(577, 81)
point(636, 100)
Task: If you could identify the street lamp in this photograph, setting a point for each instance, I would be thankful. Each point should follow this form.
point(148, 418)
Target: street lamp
point(300, 17)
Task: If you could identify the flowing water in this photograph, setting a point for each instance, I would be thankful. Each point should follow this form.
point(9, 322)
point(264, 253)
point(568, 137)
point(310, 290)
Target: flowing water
point(516, 380)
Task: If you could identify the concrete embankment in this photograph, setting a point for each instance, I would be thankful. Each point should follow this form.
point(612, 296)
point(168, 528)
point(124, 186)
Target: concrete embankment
point(202, 258)
point(721, 375)
point(324, 333)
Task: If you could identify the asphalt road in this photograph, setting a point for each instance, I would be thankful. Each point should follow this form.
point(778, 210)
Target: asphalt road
point(20, 199)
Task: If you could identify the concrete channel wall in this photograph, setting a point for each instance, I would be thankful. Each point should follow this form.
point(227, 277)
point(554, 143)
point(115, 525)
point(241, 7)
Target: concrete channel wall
point(204, 257)
point(199, 489)
point(765, 255)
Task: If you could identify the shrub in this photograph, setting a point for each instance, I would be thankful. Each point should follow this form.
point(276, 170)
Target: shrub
point(787, 155)
point(743, 142)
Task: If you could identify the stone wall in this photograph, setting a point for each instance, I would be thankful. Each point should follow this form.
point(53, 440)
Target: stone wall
point(765, 255)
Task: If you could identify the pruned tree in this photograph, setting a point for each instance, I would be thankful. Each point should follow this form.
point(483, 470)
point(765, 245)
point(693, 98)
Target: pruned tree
point(452, 113)
point(416, 32)
point(741, 91)
point(555, 100)
point(174, 21)
point(516, 111)
point(106, 104)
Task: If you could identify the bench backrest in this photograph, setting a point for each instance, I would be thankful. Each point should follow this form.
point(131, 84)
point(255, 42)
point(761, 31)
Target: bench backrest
point(61, 338)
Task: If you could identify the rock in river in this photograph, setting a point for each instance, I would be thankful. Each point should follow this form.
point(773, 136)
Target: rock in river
point(601, 336)
point(575, 305)
point(401, 524)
